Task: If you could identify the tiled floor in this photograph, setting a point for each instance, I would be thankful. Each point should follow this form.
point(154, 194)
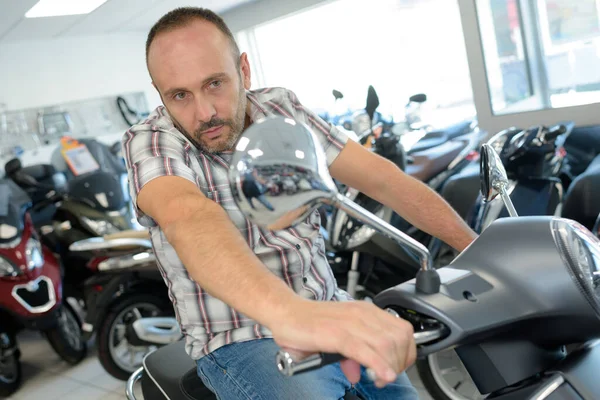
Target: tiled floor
point(47, 377)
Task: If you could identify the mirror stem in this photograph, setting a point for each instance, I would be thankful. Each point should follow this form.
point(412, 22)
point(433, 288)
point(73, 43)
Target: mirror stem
point(508, 203)
point(428, 279)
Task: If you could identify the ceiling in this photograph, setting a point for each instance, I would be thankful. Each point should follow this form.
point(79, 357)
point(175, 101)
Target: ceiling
point(114, 16)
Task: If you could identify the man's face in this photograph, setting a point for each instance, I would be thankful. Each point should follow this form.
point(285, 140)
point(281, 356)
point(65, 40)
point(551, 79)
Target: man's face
point(200, 83)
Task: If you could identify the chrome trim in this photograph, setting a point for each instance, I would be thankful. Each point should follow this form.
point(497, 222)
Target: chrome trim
point(550, 387)
point(127, 261)
point(495, 207)
point(151, 377)
point(158, 330)
point(133, 378)
point(39, 309)
point(98, 243)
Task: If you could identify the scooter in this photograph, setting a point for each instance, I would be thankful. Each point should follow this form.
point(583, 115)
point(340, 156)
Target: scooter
point(30, 290)
point(89, 205)
point(127, 287)
point(535, 162)
point(497, 308)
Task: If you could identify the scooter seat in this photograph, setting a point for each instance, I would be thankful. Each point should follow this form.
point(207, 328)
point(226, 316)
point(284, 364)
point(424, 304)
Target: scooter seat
point(171, 371)
point(439, 137)
point(431, 140)
point(428, 163)
point(171, 374)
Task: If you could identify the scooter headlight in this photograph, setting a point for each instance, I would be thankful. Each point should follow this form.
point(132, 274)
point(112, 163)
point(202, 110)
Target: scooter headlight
point(580, 251)
point(33, 254)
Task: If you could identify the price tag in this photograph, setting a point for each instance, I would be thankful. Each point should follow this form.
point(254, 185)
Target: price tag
point(78, 157)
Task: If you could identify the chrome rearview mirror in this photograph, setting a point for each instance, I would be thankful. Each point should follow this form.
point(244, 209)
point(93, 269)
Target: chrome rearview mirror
point(494, 180)
point(279, 176)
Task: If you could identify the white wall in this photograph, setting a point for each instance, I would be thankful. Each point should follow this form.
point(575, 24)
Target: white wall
point(47, 72)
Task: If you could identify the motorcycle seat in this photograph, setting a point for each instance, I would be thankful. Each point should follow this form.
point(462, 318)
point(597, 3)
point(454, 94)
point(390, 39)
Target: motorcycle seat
point(428, 163)
point(174, 373)
point(439, 137)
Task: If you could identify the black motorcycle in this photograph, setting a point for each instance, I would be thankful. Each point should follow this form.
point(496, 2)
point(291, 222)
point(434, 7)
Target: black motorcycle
point(128, 287)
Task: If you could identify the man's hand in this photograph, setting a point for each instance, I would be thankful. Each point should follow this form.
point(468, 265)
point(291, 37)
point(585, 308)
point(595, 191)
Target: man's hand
point(360, 331)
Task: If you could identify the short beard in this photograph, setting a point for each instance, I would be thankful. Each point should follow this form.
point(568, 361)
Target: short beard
point(236, 127)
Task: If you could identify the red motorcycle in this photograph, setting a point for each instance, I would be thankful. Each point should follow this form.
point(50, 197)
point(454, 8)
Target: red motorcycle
point(30, 290)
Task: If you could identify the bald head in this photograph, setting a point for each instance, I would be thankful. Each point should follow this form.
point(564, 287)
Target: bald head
point(185, 16)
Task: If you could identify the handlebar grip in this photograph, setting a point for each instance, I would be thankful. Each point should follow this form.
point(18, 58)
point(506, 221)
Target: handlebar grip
point(288, 367)
point(554, 132)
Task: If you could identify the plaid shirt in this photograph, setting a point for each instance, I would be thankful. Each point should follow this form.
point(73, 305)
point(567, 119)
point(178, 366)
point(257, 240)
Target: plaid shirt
point(155, 148)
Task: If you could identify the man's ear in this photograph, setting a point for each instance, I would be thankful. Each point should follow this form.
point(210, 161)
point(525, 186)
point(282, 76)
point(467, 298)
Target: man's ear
point(245, 71)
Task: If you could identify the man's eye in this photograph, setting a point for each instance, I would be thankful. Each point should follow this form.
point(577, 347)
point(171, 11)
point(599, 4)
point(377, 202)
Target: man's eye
point(179, 96)
point(216, 84)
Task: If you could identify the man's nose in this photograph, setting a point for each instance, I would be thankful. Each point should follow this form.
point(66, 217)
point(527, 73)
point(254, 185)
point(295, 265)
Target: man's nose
point(204, 110)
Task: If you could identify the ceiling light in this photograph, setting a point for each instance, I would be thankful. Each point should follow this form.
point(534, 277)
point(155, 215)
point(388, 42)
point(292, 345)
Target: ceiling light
point(56, 8)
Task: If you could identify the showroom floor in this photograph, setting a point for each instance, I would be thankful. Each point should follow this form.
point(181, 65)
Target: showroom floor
point(47, 377)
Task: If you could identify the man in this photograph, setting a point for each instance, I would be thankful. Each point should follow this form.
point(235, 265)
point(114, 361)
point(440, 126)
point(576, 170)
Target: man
point(240, 291)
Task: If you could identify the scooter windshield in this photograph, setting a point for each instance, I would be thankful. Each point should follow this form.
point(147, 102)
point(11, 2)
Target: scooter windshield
point(101, 190)
point(107, 161)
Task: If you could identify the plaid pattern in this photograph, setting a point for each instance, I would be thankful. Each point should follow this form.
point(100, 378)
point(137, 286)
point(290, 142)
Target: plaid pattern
point(156, 148)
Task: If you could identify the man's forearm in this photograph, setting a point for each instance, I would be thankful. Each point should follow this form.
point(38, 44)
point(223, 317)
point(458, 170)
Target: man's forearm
point(423, 208)
point(217, 257)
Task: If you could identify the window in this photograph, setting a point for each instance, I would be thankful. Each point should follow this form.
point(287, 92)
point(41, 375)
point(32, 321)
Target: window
point(540, 53)
point(570, 31)
point(401, 47)
point(505, 54)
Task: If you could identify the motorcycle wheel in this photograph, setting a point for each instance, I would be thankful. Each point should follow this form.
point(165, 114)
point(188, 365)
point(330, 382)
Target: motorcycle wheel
point(445, 377)
point(10, 366)
point(117, 356)
point(66, 337)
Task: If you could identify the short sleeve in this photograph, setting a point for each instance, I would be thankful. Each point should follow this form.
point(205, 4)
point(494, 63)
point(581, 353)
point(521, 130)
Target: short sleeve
point(149, 153)
point(332, 139)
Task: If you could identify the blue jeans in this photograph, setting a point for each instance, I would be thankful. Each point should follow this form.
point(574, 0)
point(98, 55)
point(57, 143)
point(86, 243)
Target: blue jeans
point(247, 370)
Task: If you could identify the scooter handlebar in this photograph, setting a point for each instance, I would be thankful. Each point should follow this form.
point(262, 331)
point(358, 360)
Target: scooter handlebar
point(288, 366)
